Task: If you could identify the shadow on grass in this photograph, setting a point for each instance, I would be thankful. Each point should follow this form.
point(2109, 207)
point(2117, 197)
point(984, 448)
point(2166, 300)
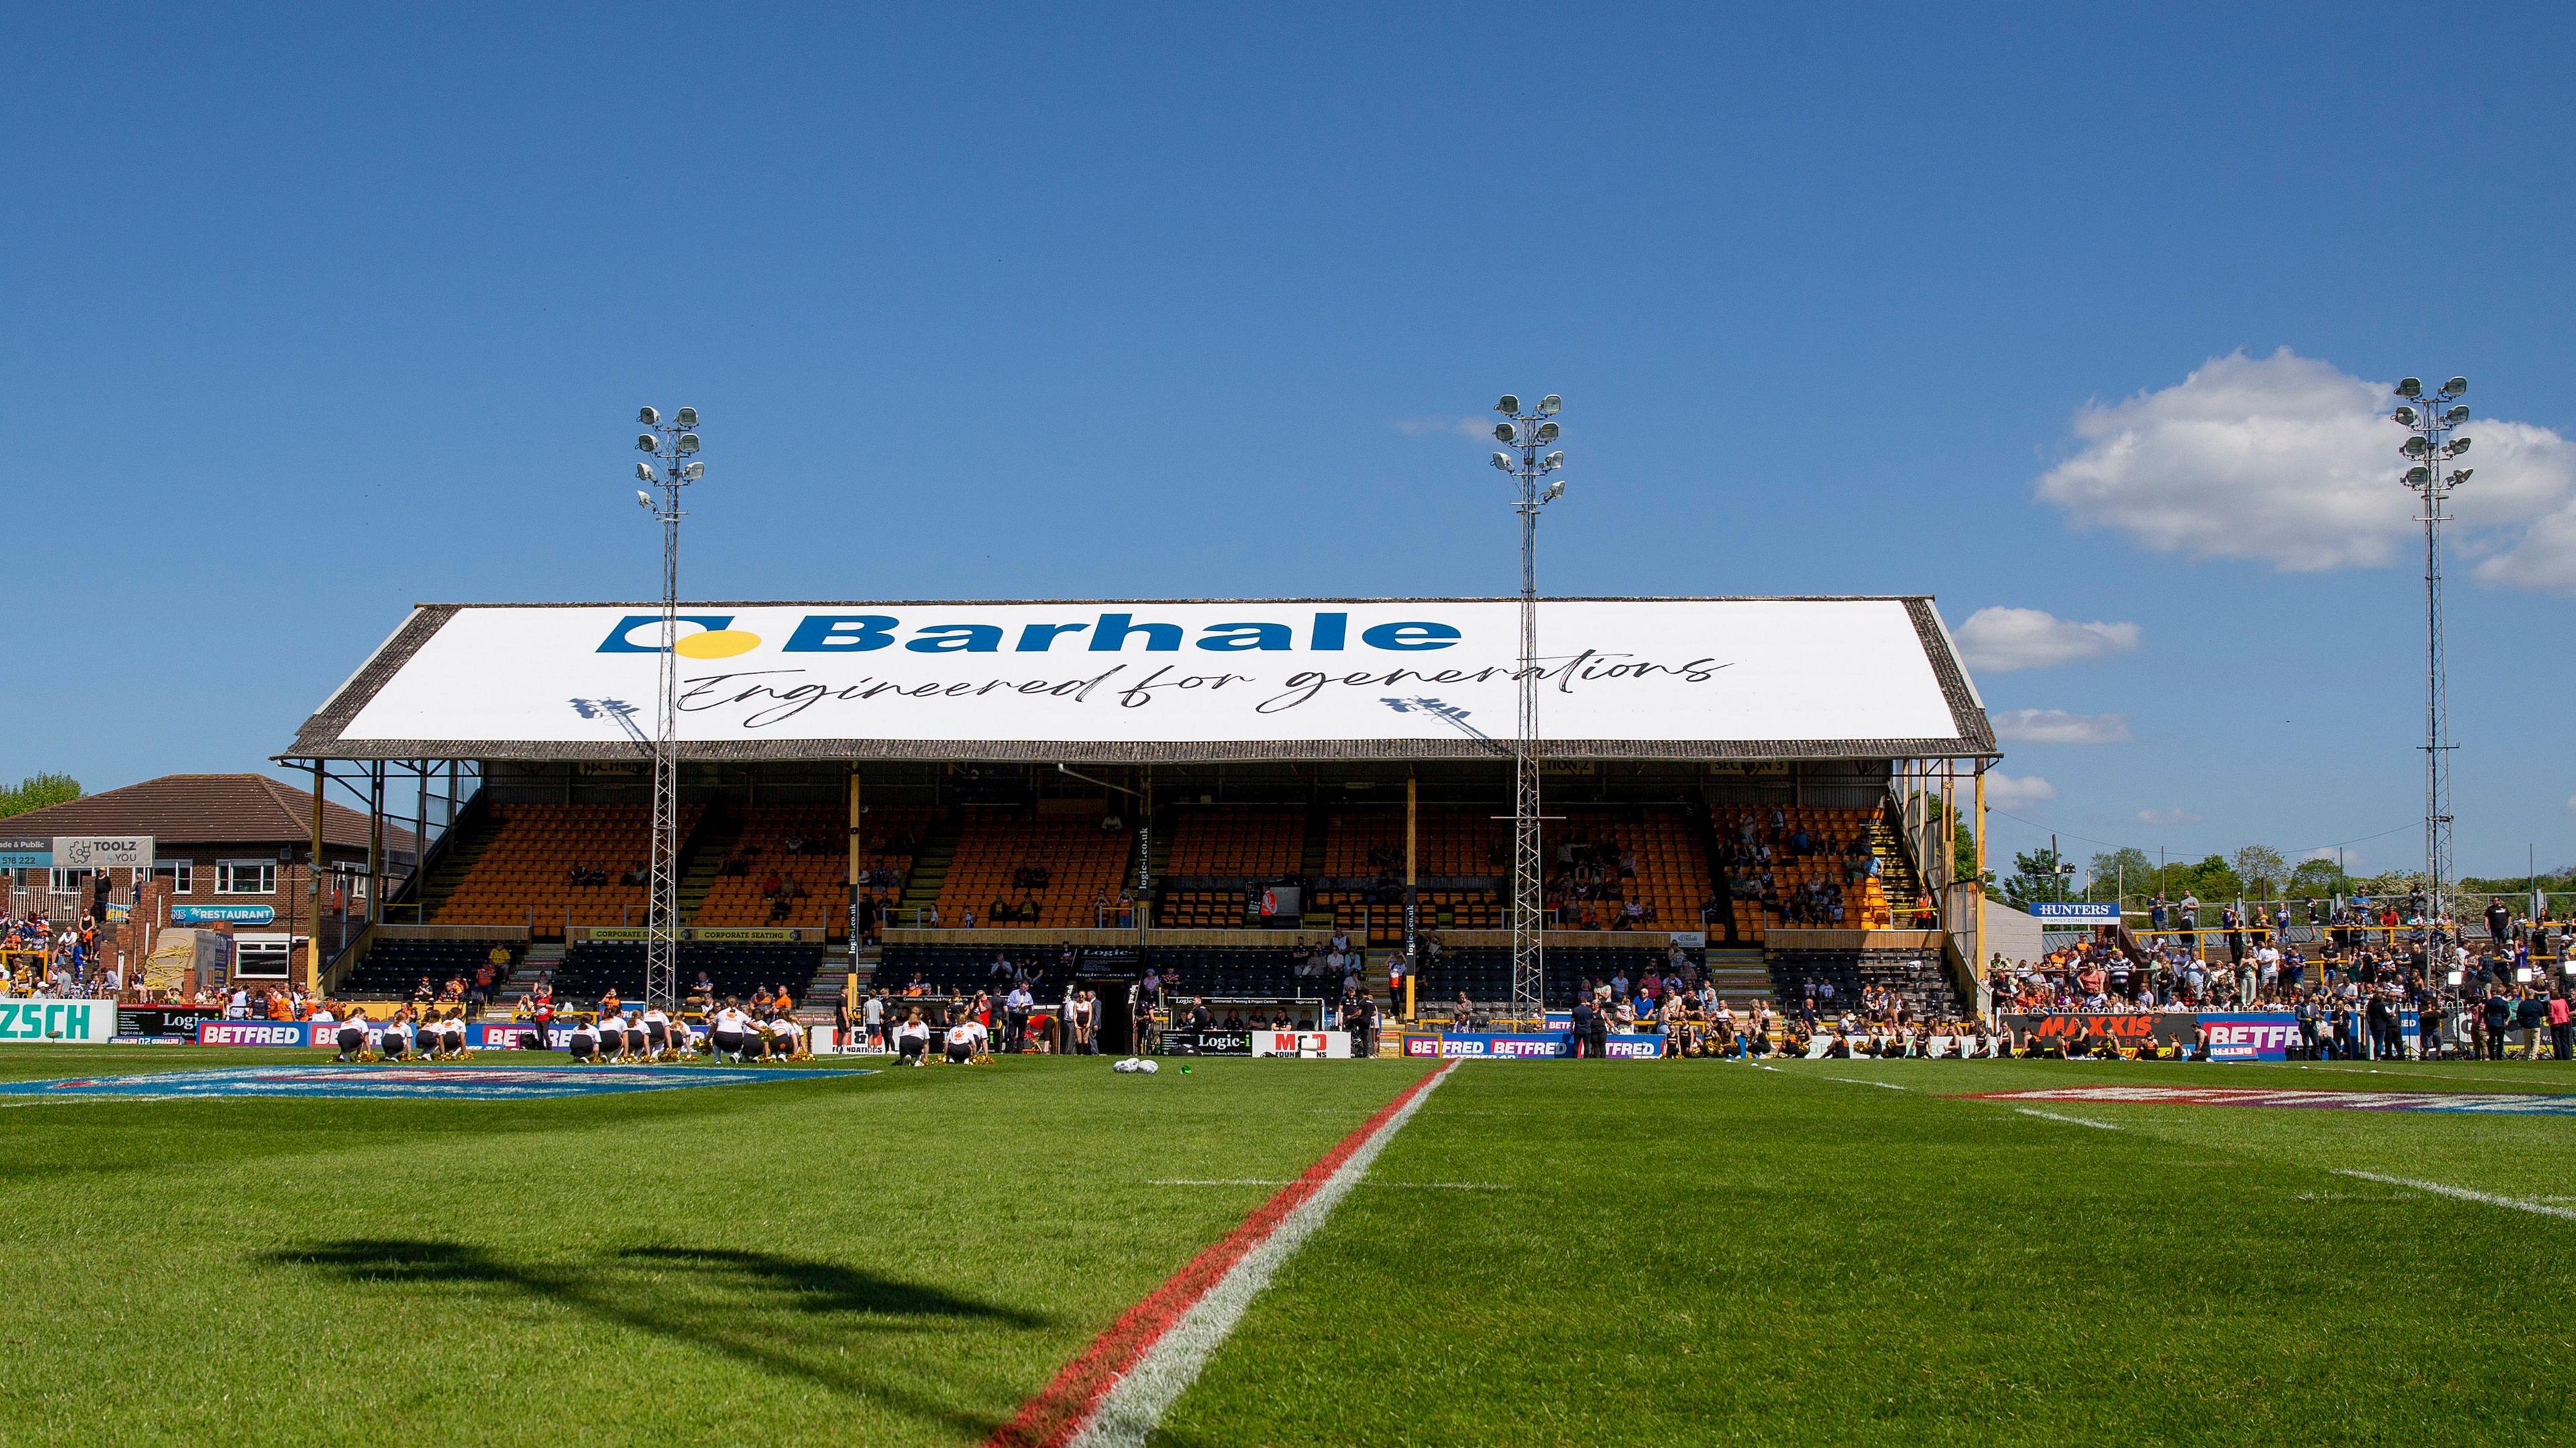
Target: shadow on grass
point(752, 1307)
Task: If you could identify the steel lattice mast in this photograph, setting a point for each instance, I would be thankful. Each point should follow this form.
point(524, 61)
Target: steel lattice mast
point(672, 447)
point(1526, 433)
point(2428, 449)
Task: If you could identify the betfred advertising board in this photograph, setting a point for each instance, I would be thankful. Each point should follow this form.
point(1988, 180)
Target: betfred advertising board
point(2251, 1036)
point(1495, 1047)
point(256, 1033)
point(61, 1022)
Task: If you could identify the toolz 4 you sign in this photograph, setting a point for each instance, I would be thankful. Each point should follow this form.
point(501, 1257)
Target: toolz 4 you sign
point(1438, 671)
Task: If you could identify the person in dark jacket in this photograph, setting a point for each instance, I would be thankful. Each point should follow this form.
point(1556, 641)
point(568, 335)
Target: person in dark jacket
point(1584, 1016)
point(2499, 1015)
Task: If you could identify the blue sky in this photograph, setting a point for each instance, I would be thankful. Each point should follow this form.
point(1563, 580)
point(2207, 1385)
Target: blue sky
point(313, 314)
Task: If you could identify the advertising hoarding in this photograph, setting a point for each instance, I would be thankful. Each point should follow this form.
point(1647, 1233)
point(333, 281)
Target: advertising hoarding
point(1874, 674)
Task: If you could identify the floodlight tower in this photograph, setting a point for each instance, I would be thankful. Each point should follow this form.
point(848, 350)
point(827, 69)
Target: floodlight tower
point(1525, 433)
point(2428, 449)
point(670, 464)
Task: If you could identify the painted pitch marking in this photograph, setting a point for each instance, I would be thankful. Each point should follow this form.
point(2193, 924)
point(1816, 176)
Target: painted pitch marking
point(453, 1083)
point(1116, 1391)
point(2069, 1120)
point(2466, 1103)
point(2464, 1194)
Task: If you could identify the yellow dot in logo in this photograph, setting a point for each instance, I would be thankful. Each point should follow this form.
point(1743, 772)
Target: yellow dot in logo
point(719, 643)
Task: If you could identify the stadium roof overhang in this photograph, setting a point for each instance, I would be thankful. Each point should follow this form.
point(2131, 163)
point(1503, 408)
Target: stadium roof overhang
point(1150, 681)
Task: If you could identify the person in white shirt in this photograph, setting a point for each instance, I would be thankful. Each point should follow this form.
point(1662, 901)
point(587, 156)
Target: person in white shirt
point(912, 1038)
point(730, 1030)
point(787, 1039)
point(584, 1044)
point(351, 1038)
point(965, 1042)
point(394, 1041)
point(639, 1045)
point(657, 1033)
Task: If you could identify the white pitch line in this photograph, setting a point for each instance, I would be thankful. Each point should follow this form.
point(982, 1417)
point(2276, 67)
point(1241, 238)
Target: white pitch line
point(2465, 1194)
point(2069, 1120)
point(1129, 1412)
point(1281, 1182)
point(1863, 1081)
point(2412, 1075)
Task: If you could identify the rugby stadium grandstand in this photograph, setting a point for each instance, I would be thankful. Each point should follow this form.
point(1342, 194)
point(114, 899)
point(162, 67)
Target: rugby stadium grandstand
point(1211, 789)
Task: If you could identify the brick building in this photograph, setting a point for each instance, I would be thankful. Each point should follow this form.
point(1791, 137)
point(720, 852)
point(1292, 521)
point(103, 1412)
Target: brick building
point(229, 849)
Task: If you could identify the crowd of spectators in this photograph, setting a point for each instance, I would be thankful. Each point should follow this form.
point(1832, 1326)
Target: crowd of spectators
point(2350, 979)
point(63, 961)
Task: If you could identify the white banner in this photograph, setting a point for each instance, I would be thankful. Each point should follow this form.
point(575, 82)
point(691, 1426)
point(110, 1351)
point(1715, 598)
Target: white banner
point(1314, 1045)
point(102, 852)
point(62, 1022)
point(1644, 670)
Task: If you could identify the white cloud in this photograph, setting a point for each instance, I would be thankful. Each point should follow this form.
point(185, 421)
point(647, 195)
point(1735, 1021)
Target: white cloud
point(2056, 726)
point(2167, 817)
point(2354, 862)
point(2291, 461)
point(1477, 427)
point(1999, 640)
point(2571, 804)
point(2004, 791)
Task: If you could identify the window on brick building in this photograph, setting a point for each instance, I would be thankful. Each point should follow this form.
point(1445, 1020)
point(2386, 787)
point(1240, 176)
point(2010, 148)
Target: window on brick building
point(245, 877)
point(180, 875)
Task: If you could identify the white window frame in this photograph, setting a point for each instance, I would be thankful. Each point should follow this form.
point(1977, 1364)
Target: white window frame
point(182, 875)
point(227, 876)
point(69, 882)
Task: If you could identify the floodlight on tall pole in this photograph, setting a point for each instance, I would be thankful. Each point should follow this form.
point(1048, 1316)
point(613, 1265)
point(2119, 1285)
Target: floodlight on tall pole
point(2428, 450)
point(1529, 435)
point(670, 464)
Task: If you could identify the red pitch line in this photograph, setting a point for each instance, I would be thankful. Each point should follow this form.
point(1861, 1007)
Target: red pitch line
point(1059, 1411)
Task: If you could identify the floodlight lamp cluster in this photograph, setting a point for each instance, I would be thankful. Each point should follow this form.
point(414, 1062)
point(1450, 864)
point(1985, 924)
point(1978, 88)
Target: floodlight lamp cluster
point(1528, 431)
point(2428, 424)
point(673, 445)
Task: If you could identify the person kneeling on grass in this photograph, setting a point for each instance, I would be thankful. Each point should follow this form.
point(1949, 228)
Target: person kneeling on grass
point(657, 1035)
point(786, 1038)
point(729, 1031)
point(912, 1038)
point(584, 1045)
point(352, 1037)
point(635, 1040)
point(965, 1043)
point(393, 1043)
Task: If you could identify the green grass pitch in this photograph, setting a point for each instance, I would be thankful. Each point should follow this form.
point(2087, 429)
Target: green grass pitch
point(1550, 1253)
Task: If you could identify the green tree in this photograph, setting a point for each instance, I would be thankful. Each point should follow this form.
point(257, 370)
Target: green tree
point(2126, 871)
point(2035, 877)
point(2262, 870)
point(2318, 880)
point(2213, 880)
point(36, 791)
